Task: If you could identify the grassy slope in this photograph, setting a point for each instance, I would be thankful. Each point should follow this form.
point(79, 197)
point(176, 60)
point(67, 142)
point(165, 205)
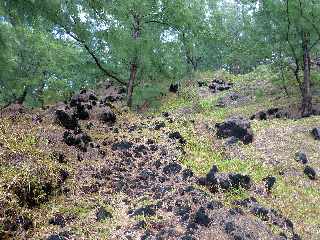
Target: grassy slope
point(272, 153)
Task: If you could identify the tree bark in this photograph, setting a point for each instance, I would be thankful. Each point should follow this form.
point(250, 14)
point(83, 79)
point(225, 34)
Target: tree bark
point(21, 99)
point(136, 33)
point(40, 93)
point(133, 76)
point(306, 90)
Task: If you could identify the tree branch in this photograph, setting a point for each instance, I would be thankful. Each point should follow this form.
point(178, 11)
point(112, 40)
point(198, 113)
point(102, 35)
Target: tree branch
point(95, 58)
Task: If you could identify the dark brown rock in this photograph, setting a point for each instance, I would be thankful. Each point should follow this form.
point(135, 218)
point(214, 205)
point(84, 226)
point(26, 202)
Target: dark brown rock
point(235, 127)
point(66, 119)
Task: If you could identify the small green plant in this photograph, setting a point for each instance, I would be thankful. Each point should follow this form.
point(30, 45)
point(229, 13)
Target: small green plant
point(259, 94)
point(235, 194)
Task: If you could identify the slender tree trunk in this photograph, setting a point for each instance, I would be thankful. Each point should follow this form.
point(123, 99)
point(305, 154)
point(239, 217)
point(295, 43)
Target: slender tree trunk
point(40, 94)
point(133, 76)
point(306, 90)
point(284, 81)
point(194, 65)
point(136, 33)
point(21, 99)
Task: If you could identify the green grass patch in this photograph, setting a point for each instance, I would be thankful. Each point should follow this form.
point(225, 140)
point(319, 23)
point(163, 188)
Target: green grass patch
point(149, 94)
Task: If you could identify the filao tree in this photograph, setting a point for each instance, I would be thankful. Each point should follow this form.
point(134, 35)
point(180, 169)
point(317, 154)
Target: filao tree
point(121, 37)
point(294, 24)
point(37, 67)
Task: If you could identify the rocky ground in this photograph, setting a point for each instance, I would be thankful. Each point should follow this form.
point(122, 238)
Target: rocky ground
point(92, 169)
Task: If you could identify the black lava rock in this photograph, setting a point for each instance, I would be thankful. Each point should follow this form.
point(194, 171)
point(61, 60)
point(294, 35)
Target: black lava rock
point(80, 141)
point(122, 146)
point(177, 136)
point(301, 157)
point(214, 205)
point(145, 211)
point(150, 142)
point(215, 181)
point(58, 220)
point(165, 114)
point(296, 237)
point(187, 237)
point(202, 218)
point(159, 126)
point(69, 138)
point(60, 236)
point(229, 227)
point(211, 175)
point(202, 181)
point(231, 141)
point(63, 174)
point(235, 127)
point(103, 214)
point(172, 168)
point(187, 173)
point(238, 180)
point(83, 97)
point(141, 149)
point(66, 119)
point(310, 172)
point(55, 237)
point(273, 111)
point(316, 133)
point(202, 83)
point(82, 113)
point(219, 85)
point(261, 115)
point(270, 114)
point(59, 156)
point(261, 212)
point(141, 225)
point(174, 88)
point(25, 222)
point(107, 116)
point(269, 182)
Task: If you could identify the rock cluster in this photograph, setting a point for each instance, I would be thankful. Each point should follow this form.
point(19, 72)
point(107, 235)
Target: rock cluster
point(268, 215)
point(270, 114)
point(216, 181)
point(218, 85)
point(310, 172)
point(237, 128)
point(83, 106)
point(232, 99)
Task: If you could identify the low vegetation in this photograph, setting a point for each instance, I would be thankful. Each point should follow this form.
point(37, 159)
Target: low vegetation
point(141, 119)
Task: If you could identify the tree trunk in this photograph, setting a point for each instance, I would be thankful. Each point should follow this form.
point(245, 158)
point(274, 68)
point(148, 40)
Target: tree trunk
point(133, 75)
point(136, 32)
point(284, 87)
point(306, 90)
point(40, 94)
point(21, 99)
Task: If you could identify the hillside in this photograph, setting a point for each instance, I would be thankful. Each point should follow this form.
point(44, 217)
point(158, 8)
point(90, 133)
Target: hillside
point(93, 169)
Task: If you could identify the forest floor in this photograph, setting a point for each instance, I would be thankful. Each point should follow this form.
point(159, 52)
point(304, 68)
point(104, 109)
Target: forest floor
point(141, 177)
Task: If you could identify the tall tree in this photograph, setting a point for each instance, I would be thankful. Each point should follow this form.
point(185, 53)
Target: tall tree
point(296, 25)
